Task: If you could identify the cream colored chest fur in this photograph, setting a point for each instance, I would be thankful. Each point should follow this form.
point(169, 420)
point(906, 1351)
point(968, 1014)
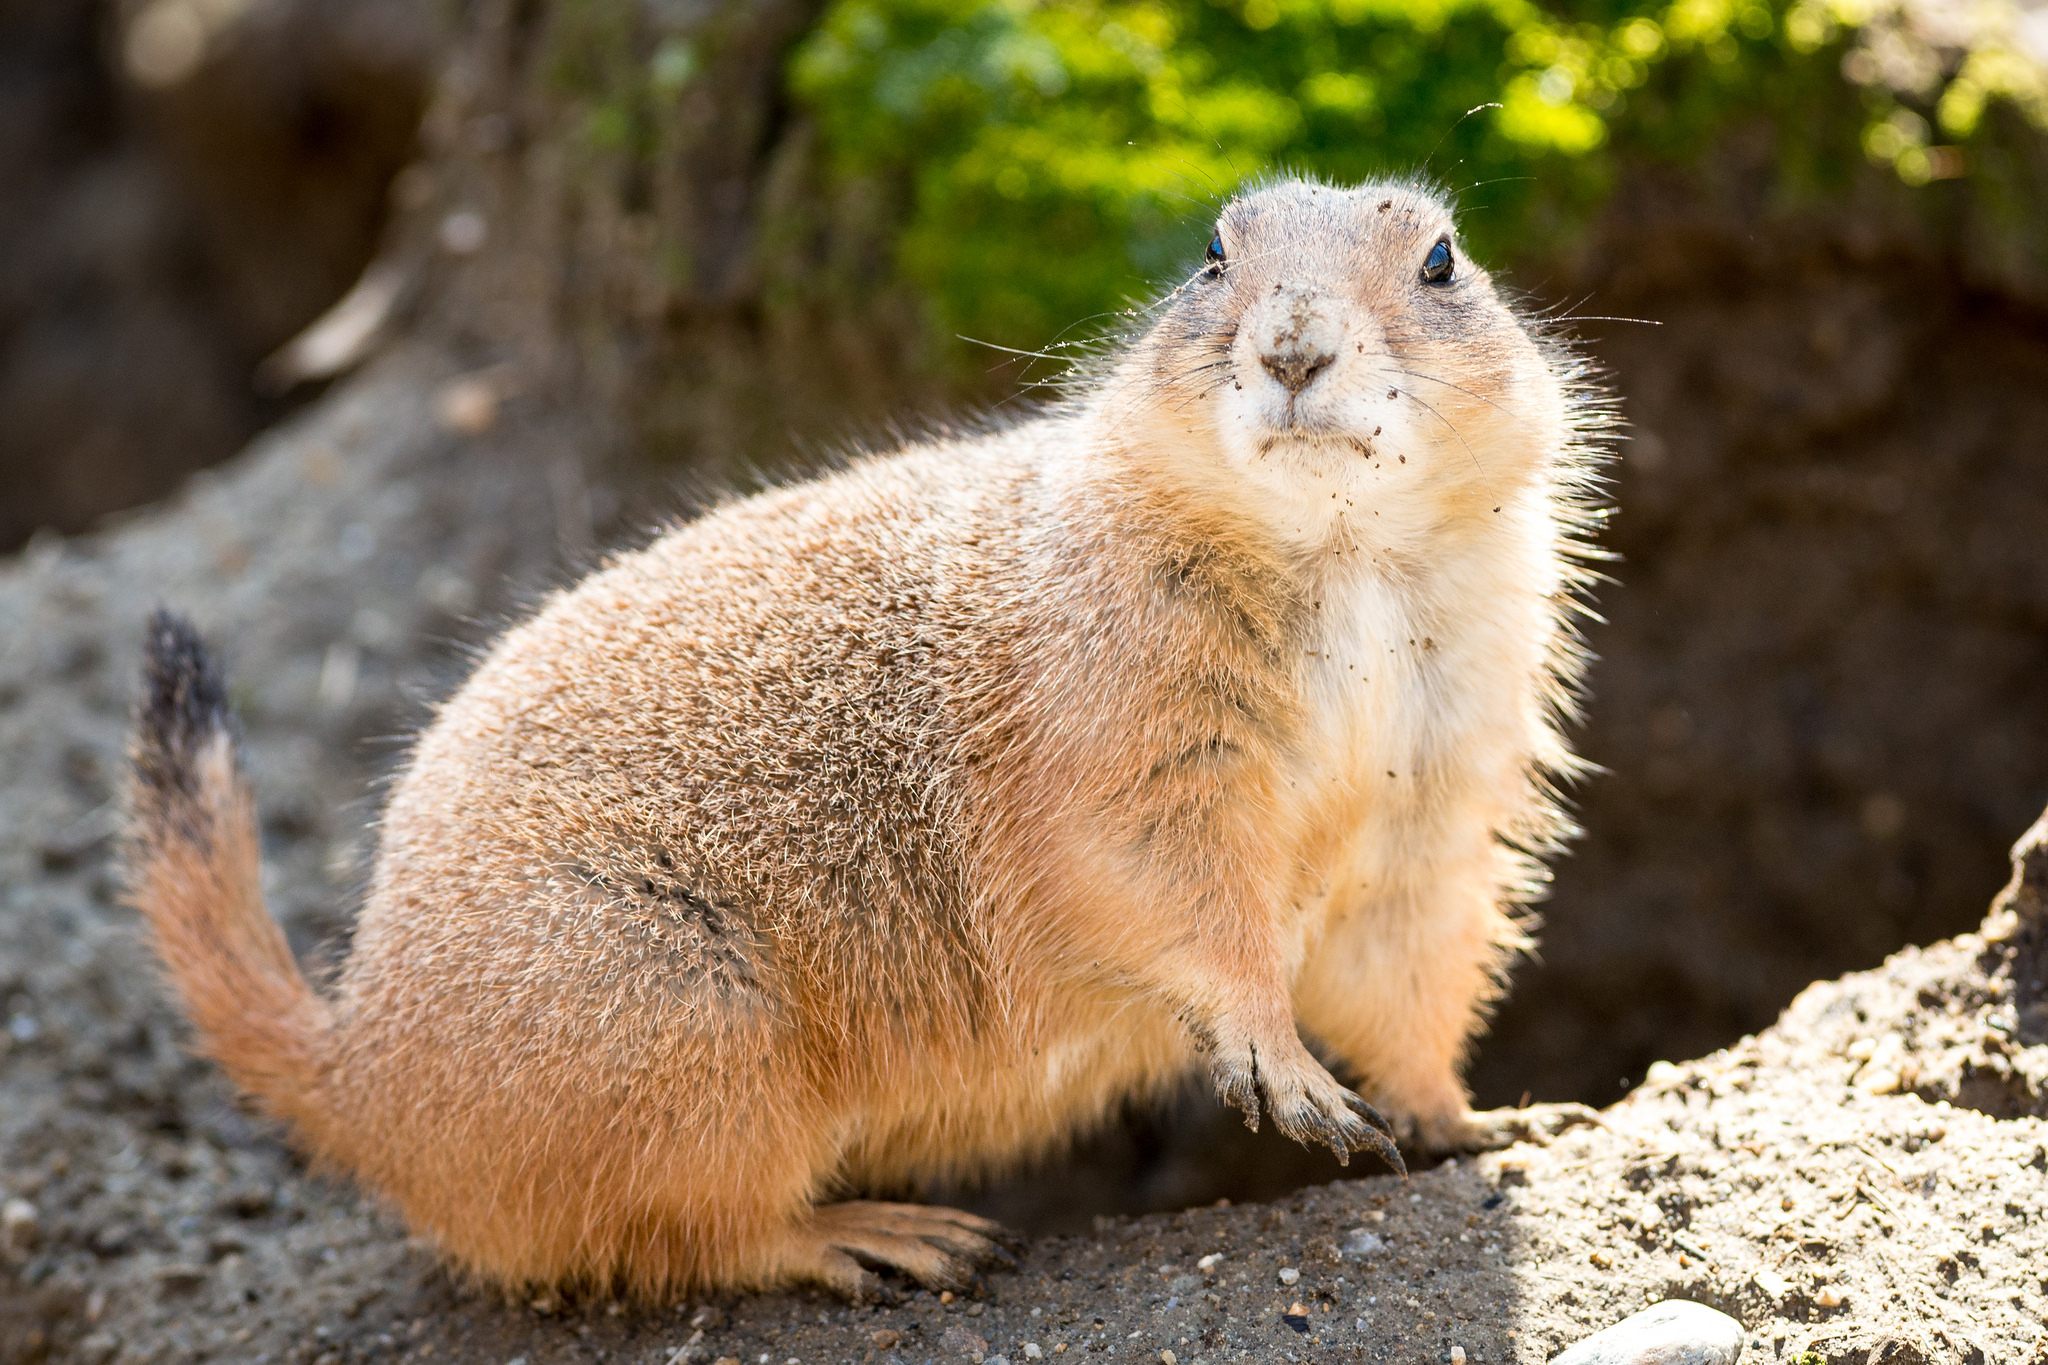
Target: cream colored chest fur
point(1423, 687)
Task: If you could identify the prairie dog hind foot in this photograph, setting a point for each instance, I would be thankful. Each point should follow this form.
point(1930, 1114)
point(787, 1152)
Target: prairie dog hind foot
point(1490, 1130)
point(841, 1246)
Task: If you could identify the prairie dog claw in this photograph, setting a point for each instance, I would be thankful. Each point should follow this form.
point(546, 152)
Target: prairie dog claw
point(1306, 1102)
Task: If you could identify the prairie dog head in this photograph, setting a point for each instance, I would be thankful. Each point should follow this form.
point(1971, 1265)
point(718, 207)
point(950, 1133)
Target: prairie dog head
point(1337, 360)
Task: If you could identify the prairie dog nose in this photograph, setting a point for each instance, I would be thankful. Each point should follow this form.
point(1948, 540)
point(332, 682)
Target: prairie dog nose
point(1298, 340)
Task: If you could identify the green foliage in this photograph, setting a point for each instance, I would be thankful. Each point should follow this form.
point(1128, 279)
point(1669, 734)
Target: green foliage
point(1058, 158)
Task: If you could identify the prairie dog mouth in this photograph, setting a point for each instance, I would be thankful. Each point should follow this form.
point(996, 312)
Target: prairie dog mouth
point(1319, 435)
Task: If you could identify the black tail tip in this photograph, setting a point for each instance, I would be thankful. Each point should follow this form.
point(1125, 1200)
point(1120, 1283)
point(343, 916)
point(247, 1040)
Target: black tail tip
point(184, 701)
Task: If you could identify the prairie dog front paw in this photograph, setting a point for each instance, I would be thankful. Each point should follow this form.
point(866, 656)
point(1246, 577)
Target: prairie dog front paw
point(1279, 1076)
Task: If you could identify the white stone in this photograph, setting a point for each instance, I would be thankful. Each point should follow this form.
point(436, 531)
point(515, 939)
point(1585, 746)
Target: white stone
point(1675, 1332)
point(1359, 1243)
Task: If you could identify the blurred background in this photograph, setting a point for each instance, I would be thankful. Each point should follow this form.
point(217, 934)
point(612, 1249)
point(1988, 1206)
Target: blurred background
point(649, 247)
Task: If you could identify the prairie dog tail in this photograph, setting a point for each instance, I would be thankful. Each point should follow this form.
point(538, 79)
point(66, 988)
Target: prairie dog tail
point(193, 872)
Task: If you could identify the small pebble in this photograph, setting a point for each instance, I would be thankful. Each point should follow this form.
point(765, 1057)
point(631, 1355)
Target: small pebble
point(1359, 1242)
point(1457, 1355)
point(468, 406)
point(1675, 1332)
point(1828, 1297)
point(960, 1341)
point(180, 1279)
point(1289, 1275)
point(1168, 1358)
point(1207, 1265)
point(463, 232)
point(20, 1224)
point(1032, 1352)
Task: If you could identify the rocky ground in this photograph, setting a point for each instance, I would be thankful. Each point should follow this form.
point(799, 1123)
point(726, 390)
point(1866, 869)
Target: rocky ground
point(1865, 1181)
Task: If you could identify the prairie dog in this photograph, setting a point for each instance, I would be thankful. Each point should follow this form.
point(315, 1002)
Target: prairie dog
point(900, 823)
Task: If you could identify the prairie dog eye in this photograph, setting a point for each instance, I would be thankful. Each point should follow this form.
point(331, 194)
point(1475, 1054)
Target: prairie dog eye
point(1439, 265)
point(1215, 254)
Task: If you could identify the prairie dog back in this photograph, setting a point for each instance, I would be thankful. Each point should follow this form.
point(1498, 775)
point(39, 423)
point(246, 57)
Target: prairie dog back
point(897, 824)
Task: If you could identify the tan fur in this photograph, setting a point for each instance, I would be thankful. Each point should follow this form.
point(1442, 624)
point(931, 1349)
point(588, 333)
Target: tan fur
point(899, 824)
